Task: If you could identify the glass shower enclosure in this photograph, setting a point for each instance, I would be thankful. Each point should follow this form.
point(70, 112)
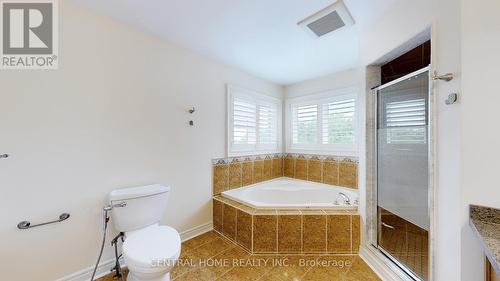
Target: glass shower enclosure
point(402, 172)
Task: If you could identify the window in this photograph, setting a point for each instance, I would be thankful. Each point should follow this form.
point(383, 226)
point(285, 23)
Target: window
point(254, 123)
point(305, 125)
point(323, 123)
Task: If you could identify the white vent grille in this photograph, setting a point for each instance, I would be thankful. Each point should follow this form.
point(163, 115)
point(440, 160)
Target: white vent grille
point(326, 24)
point(328, 20)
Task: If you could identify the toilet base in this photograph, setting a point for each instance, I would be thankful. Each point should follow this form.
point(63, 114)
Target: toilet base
point(163, 277)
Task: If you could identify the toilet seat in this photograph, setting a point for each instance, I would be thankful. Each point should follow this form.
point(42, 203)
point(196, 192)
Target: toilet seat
point(152, 249)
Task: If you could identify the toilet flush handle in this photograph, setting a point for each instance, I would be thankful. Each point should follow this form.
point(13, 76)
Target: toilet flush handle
point(118, 205)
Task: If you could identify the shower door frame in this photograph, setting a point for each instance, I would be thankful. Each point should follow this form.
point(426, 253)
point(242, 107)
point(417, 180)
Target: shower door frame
point(373, 218)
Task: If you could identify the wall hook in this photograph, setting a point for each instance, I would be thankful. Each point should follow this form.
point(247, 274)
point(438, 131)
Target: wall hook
point(192, 110)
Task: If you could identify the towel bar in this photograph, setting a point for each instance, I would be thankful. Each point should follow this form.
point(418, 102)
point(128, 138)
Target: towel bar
point(27, 224)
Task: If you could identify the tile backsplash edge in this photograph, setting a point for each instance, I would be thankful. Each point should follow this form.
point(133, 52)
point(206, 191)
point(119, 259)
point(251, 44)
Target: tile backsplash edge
point(228, 160)
point(234, 172)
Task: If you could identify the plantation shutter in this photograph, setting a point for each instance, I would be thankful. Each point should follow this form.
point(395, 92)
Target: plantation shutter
point(268, 125)
point(244, 122)
point(325, 124)
point(254, 123)
point(339, 122)
point(305, 124)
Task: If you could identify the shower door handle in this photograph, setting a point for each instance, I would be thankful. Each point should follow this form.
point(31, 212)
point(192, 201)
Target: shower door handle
point(388, 225)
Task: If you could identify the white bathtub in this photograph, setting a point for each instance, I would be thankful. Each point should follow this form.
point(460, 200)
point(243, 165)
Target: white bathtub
point(292, 193)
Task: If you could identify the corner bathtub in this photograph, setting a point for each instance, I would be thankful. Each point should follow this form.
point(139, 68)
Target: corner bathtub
point(287, 193)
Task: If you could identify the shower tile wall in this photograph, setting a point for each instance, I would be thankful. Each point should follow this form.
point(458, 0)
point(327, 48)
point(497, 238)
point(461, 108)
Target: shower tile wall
point(230, 173)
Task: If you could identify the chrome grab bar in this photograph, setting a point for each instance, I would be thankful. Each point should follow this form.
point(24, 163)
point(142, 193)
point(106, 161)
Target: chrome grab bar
point(27, 224)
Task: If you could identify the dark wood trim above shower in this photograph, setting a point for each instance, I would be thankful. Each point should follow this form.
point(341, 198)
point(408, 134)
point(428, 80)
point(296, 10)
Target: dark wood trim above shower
point(407, 63)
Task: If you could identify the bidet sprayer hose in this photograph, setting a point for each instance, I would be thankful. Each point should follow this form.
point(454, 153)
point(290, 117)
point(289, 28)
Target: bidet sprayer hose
point(105, 220)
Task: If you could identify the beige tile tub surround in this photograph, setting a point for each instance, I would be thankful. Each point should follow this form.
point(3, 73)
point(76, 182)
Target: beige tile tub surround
point(220, 178)
point(230, 173)
point(297, 231)
point(236, 172)
point(314, 171)
point(235, 178)
point(301, 168)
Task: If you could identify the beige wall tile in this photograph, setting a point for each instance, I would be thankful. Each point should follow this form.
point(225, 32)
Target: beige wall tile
point(348, 174)
point(229, 222)
point(234, 175)
point(330, 172)
point(267, 169)
point(314, 170)
point(277, 169)
point(258, 171)
point(356, 233)
point(244, 230)
point(217, 215)
point(314, 237)
point(220, 178)
point(301, 168)
point(289, 234)
point(247, 173)
point(289, 167)
point(264, 234)
point(339, 234)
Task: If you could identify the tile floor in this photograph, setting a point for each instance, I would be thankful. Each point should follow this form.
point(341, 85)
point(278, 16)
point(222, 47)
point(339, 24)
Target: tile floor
point(212, 257)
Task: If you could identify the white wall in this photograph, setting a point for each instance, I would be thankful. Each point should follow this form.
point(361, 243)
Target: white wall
point(339, 80)
point(480, 114)
point(397, 26)
point(113, 115)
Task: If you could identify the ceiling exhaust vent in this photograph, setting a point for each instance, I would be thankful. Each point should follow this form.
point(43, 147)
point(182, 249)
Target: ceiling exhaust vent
point(329, 19)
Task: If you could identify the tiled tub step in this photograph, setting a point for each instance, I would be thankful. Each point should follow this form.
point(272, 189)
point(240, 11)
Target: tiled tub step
point(288, 231)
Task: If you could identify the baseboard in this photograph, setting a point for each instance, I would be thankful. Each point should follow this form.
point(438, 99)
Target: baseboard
point(196, 231)
point(105, 266)
point(85, 274)
point(381, 265)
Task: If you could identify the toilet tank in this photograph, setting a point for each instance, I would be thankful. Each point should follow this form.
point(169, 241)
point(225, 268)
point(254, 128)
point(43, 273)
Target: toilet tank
point(145, 205)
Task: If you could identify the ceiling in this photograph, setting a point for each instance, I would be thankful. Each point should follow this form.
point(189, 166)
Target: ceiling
point(260, 37)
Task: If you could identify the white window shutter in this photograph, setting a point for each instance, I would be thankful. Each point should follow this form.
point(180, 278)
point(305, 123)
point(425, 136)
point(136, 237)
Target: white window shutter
point(305, 124)
point(268, 124)
point(324, 123)
point(339, 122)
point(244, 122)
point(254, 123)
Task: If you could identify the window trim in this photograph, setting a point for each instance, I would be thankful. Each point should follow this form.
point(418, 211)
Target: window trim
point(319, 148)
point(233, 91)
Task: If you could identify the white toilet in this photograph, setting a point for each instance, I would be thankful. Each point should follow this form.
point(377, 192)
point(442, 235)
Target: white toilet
point(150, 250)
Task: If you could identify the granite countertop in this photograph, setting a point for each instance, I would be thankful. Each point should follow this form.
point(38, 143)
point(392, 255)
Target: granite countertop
point(485, 222)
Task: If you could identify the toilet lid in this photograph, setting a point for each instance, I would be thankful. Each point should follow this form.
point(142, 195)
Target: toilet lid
point(144, 248)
